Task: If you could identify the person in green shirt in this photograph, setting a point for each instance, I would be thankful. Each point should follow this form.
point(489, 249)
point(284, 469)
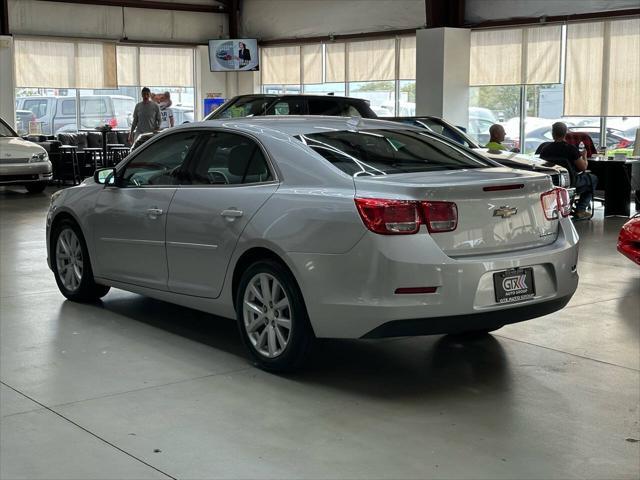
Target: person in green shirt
point(497, 134)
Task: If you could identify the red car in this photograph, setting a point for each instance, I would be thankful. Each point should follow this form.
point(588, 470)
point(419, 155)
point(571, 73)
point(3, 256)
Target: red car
point(629, 239)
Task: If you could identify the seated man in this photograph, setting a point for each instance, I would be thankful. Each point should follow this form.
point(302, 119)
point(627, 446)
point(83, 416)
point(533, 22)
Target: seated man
point(497, 136)
point(568, 156)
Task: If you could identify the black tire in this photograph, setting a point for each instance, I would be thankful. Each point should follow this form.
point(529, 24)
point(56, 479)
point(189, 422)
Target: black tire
point(37, 187)
point(301, 337)
point(87, 290)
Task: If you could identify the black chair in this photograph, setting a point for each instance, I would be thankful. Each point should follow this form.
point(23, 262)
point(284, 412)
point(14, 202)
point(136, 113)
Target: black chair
point(67, 167)
point(573, 175)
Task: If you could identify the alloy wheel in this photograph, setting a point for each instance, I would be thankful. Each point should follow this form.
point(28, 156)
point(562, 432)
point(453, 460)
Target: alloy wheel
point(69, 260)
point(267, 315)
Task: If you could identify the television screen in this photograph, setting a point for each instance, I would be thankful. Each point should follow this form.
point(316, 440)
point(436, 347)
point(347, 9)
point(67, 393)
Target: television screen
point(233, 55)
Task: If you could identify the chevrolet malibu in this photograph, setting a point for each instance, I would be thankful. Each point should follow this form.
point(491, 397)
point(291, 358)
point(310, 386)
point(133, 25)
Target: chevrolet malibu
point(306, 227)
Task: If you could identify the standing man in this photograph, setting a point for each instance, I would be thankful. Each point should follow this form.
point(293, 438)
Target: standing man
point(558, 152)
point(146, 116)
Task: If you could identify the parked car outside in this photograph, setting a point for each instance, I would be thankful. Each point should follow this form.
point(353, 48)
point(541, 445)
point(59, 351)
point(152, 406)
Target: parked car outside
point(629, 239)
point(559, 175)
point(53, 113)
point(616, 139)
point(22, 162)
point(305, 227)
point(182, 115)
point(264, 104)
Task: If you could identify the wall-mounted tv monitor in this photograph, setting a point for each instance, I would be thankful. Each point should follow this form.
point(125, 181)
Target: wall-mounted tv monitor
point(234, 55)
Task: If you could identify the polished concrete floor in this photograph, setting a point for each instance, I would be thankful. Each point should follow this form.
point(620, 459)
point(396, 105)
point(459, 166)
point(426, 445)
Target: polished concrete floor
point(137, 388)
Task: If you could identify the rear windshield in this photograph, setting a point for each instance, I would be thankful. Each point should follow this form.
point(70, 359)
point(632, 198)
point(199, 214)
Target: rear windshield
point(385, 152)
point(243, 107)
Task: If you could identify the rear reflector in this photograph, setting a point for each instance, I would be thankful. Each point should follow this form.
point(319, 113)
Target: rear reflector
point(440, 216)
point(496, 188)
point(411, 290)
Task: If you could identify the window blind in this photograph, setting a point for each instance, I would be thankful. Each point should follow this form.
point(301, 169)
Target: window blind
point(603, 67)
point(516, 56)
point(311, 64)
point(280, 65)
point(335, 62)
point(371, 60)
point(166, 66)
point(65, 64)
point(407, 58)
point(128, 70)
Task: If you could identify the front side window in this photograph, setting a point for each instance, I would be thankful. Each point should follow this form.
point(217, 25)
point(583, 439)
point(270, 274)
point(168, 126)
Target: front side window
point(229, 159)
point(5, 130)
point(385, 152)
point(161, 163)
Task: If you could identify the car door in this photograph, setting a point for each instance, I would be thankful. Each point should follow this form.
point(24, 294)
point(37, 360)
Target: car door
point(130, 218)
point(230, 179)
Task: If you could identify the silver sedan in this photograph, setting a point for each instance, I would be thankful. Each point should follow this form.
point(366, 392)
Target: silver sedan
point(306, 227)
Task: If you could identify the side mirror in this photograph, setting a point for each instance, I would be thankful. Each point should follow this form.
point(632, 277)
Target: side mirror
point(105, 176)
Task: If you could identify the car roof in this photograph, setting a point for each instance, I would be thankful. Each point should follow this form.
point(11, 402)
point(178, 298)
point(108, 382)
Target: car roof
point(307, 95)
point(300, 124)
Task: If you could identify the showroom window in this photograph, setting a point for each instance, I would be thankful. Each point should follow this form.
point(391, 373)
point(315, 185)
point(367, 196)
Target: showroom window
point(545, 76)
point(63, 85)
point(382, 71)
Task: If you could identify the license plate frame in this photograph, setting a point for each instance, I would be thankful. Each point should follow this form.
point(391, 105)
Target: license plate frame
point(514, 285)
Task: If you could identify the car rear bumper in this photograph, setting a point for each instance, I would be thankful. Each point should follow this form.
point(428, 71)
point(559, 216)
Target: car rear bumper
point(353, 295)
point(19, 174)
point(464, 323)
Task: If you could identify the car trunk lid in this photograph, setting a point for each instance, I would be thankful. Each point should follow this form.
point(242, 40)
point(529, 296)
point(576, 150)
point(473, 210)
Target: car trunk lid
point(499, 209)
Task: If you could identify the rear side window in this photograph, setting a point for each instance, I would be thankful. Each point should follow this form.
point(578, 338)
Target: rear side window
point(123, 106)
point(289, 106)
point(93, 107)
point(386, 152)
point(68, 107)
point(229, 159)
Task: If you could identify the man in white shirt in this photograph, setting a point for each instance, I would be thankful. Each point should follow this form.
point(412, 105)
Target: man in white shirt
point(164, 102)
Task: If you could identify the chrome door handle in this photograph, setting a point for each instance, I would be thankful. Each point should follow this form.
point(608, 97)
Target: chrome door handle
point(154, 213)
point(231, 214)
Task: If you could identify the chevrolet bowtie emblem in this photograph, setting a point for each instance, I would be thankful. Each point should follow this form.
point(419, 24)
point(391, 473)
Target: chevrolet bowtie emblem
point(505, 211)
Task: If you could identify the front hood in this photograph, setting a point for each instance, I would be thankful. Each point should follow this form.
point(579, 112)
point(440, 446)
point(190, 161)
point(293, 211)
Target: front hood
point(16, 147)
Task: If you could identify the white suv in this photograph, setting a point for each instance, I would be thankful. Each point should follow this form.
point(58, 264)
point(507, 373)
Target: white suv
point(22, 162)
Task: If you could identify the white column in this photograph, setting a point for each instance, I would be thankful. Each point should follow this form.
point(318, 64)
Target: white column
point(7, 81)
point(442, 74)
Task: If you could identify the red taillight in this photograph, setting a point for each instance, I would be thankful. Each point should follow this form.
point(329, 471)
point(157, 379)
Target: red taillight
point(389, 217)
point(403, 217)
point(113, 122)
point(564, 203)
point(549, 202)
point(623, 143)
point(440, 216)
point(555, 203)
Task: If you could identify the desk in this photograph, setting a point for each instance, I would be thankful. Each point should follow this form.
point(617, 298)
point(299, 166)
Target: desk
point(614, 177)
